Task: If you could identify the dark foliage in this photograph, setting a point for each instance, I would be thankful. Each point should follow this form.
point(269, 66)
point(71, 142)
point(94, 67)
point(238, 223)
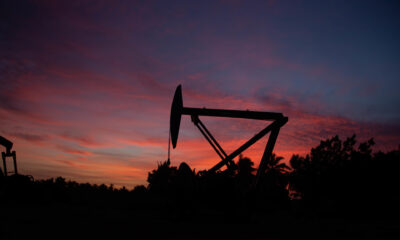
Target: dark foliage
point(336, 180)
point(339, 178)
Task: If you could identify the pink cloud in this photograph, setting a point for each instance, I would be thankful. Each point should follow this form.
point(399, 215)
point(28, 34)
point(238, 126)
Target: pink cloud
point(75, 151)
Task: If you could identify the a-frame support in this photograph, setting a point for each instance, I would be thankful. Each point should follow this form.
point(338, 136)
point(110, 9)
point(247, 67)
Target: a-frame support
point(227, 160)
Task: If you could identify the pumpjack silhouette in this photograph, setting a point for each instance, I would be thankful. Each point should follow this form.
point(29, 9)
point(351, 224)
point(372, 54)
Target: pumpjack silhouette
point(8, 145)
point(278, 120)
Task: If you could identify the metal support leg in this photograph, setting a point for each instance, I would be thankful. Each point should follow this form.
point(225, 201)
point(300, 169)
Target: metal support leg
point(3, 156)
point(14, 155)
point(210, 138)
point(267, 153)
point(196, 123)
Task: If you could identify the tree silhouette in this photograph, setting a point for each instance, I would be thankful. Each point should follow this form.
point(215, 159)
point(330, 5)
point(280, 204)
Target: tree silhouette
point(338, 176)
point(340, 179)
point(245, 166)
point(161, 178)
point(276, 171)
point(245, 174)
point(273, 193)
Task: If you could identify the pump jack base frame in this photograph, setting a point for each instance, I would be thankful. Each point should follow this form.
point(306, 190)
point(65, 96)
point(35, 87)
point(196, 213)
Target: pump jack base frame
point(278, 120)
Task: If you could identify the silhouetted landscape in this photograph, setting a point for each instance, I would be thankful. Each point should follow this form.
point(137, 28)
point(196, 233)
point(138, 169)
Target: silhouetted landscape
point(341, 189)
point(263, 90)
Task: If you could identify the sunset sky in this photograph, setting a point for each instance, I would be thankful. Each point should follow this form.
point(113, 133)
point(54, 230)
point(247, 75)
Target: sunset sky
point(86, 86)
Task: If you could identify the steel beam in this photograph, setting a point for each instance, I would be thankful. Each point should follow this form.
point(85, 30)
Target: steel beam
point(232, 113)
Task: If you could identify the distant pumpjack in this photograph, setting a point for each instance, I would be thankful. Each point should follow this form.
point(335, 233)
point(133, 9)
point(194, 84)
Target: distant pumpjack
point(177, 110)
point(8, 145)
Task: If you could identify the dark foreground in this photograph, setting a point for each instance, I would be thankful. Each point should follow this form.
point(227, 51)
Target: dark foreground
point(61, 220)
point(338, 191)
point(42, 210)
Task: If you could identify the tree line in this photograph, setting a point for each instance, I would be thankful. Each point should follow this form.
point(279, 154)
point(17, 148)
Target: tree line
point(337, 178)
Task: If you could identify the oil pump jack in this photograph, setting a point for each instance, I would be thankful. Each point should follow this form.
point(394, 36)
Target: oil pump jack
point(8, 145)
point(277, 119)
